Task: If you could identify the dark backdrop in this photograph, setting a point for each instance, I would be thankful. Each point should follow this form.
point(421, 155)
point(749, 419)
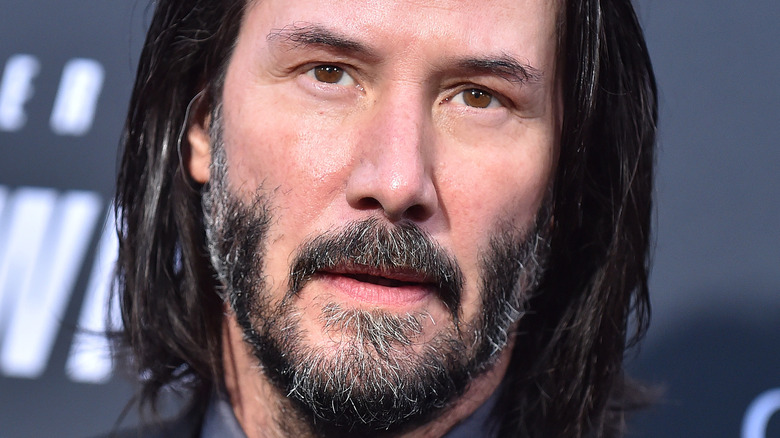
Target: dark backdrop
point(66, 68)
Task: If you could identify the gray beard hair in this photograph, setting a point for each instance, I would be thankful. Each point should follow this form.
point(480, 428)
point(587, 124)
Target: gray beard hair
point(380, 330)
point(372, 382)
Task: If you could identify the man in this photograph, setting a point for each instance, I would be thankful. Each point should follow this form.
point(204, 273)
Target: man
point(391, 218)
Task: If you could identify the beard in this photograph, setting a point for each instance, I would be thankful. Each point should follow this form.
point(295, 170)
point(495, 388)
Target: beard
point(375, 375)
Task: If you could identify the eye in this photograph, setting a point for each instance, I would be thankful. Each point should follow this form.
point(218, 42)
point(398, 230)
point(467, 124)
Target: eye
point(474, 97)
point(331, 74)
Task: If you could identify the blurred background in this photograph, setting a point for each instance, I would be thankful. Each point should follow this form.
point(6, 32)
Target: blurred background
point(66, 71)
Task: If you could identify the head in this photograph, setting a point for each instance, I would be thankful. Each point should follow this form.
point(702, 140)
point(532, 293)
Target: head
point(391, 200)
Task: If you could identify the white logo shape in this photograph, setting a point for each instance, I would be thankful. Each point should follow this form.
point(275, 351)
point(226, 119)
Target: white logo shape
point(74, 107)
point(16, 89)
point(759, 412)
point(42, 244)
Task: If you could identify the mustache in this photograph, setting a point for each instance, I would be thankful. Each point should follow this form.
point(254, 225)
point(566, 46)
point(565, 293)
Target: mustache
point(368, 243)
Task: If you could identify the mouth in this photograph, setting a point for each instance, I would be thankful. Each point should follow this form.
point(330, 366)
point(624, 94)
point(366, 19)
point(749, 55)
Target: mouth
point(394, 287)
point(379, 281)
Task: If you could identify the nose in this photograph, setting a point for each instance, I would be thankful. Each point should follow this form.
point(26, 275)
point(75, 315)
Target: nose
point(393, 171)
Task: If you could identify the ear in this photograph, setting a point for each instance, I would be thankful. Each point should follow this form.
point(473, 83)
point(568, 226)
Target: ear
point(199, 157)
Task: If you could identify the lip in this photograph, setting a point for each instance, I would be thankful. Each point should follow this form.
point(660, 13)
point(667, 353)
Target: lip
point(396, 288)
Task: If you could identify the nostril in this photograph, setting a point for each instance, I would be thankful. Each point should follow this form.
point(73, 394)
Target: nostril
point(368, 203)
point(416, 212)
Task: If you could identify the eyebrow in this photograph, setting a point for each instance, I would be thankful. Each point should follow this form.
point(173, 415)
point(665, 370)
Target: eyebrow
point(305, 35)
point(504, 66)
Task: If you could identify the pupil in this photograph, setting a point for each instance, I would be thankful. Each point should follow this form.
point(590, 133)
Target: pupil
point(477, 98)
point(328, 73)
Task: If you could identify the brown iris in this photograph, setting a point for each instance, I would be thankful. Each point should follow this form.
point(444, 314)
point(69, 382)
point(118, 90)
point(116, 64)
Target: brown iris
point(477, 98)
point(328, 73)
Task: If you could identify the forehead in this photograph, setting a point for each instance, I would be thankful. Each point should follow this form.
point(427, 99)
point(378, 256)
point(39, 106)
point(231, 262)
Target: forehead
point(425, 29)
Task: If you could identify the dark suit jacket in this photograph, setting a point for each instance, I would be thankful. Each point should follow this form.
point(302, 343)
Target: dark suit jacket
point(186, 425)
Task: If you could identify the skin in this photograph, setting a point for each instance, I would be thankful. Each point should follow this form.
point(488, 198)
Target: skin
point(394, 138)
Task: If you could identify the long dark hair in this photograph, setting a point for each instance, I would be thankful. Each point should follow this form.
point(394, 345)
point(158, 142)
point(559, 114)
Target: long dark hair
point(566, 377)
point(171, 315)
point(566, 374)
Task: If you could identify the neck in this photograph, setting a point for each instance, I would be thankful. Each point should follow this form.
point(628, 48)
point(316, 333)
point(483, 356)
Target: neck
point(263, 411)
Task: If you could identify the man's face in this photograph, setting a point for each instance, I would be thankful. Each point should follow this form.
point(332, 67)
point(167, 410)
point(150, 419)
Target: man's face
point(423, 132)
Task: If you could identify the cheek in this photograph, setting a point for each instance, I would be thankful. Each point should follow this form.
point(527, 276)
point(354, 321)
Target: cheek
point(299, 157)
point(289, 164)
point(493, 191)
point(487, 193)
